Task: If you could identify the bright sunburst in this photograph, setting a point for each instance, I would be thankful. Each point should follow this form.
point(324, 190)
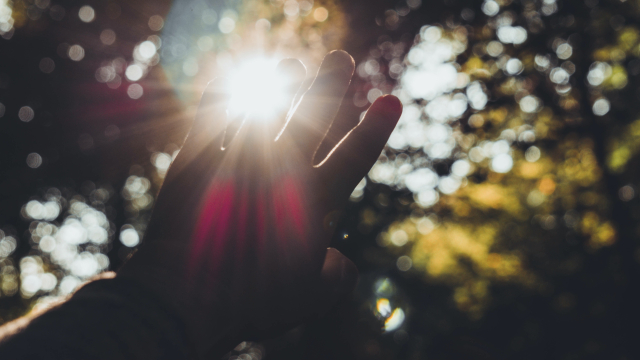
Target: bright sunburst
point(256, 90)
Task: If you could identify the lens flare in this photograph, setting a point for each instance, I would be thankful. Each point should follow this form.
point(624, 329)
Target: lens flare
point(256, 90)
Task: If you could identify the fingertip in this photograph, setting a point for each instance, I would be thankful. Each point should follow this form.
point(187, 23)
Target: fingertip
point(339, 59)
point(292, 67)
point(342, 55)
point(391, 105)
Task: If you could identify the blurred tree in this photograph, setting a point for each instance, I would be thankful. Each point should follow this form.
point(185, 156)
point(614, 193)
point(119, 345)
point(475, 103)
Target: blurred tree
point(500, 221)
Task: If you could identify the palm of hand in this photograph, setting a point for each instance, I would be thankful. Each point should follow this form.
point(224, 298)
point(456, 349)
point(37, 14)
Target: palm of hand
point(257, 212)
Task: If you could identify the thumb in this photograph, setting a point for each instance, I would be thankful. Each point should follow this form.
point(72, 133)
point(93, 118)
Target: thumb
point(338, 278)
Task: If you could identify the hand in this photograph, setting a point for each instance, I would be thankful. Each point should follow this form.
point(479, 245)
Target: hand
point(239, 234)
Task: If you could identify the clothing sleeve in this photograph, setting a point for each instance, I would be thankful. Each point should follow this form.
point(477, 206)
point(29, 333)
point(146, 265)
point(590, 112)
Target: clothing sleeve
point(106, 319)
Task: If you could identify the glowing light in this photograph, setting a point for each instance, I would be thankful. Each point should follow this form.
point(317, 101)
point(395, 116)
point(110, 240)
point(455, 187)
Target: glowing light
point(72, 232)
point(512, 34)
point(34, 160)
point(226, 25)
point(529, 104)
point(161, 161)
point(48, 281)
point(559, 76)
point(26, 114)
point(147, 49)
point(76, 53)
point(256, 90)
point(358, 192)
point(263, 24)
point(494, 48)
point(68, 284)
point(156, 23)
point(514, 66)
point(86, 14)
point(427, 198)
point(6, 19)
point(7, 246)
point(421, 179)
point(205, 43)
point(502, 163)
point(532, 154)
point(601, 107)
point(404, 263)
point(108, 36)
point(460, 168)
point(321, 14)
point(491, 8)
point(190, 66)
point(477, 98)
point(395, 320)
point(383, 307)
point(564, 51)
point(291, 8)
point(47, 244)
point(135, 91)
point(626, 193)
point(129, 237)
point(449, 185)
point(134, 72)
point(31, 284)
point(373, 94)
point(598, 72)
point(399, 238)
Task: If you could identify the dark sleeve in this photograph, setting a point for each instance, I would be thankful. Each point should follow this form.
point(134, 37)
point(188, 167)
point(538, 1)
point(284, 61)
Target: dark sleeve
point(105, 319)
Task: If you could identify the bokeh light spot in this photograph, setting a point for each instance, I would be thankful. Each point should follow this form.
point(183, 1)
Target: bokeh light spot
point(76, 53)
point(532, 154)
point(601, 107)
point(320, 14)
point(34, 160)
point(156, 23)
point(129, 236)
point(26, 114)
point(135, 91)
point(108, 36)
point(502, 163)
point(86, 14)
point(404, 263)
point(626, 193)
point(395, 320)
point(47, 65)
point(226, 25)
point(134, 72)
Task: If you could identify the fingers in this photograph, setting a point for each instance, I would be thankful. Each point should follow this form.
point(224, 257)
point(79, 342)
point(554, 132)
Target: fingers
point(208, 127)
point(339, 276)
point(293, 72)
point(211, 116)
point(268, 114)
point(319, 106)
point(352, 158)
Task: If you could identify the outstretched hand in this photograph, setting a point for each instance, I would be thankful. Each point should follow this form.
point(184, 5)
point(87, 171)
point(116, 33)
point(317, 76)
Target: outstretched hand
point(238, 238)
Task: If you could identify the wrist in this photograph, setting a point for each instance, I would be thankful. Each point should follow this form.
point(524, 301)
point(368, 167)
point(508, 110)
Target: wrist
point(205, 312)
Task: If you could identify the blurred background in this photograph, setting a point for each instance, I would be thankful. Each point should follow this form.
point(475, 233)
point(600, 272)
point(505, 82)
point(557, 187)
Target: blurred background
point(500, 222)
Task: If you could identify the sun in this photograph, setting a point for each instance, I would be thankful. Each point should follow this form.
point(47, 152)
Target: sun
point(256, 91)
